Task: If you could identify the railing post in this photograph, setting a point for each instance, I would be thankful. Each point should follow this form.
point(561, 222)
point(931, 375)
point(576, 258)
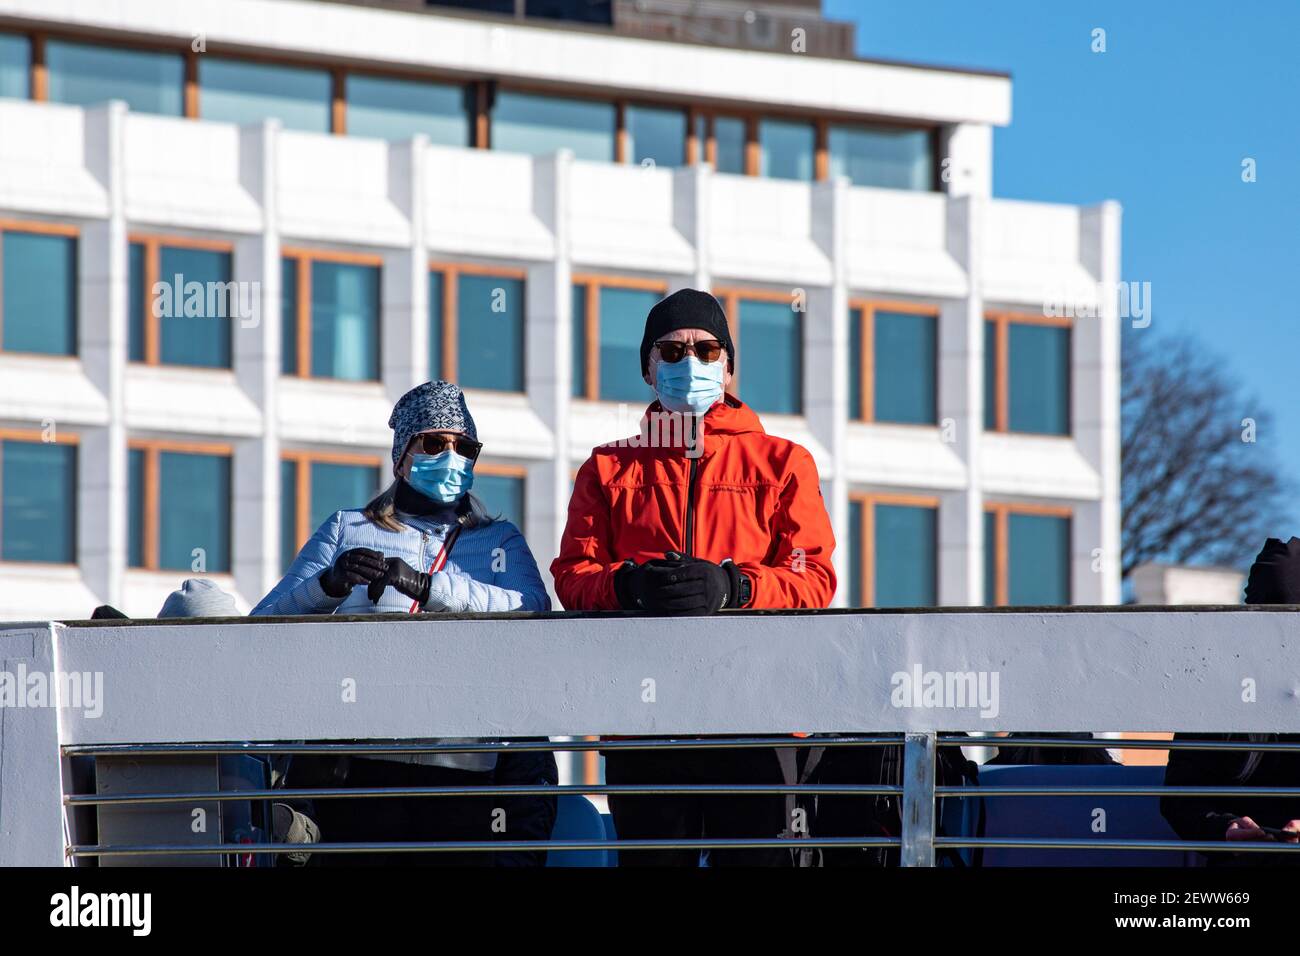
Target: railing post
point(918, 800)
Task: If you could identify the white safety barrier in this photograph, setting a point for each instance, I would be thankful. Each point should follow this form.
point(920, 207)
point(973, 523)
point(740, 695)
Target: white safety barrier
point(920, 673)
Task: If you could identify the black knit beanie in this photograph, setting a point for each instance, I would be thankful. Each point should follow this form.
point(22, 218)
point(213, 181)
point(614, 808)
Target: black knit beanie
point(1275, 575)
point(686, 309)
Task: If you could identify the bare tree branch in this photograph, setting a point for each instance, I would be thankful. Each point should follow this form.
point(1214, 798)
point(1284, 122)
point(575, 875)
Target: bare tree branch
point(1195, 491)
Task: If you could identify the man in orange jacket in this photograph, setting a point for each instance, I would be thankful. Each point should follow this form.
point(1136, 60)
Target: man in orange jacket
point(703, 512)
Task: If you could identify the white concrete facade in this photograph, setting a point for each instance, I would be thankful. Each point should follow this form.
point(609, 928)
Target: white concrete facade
point(111, 173)
point(1180, 584)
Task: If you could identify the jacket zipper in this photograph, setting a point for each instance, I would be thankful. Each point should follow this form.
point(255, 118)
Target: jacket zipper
point(690, 494)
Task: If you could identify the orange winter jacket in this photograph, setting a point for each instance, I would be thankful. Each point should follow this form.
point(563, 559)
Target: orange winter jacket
point(746, 495)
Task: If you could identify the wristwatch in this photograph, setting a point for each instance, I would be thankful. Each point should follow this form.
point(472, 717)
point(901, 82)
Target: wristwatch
point(746, 590)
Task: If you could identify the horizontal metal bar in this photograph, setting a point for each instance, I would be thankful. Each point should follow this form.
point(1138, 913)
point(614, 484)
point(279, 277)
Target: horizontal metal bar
point(940, 842)
point(848, 790)
point(1155, 791)
point(1052, 843)
point(523, 746)
point(320, 793)
point(1098, 743)
point(667, 743)
point(503, 846)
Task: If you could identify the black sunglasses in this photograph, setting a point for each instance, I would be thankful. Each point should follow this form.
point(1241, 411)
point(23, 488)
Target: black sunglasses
point(431, 443)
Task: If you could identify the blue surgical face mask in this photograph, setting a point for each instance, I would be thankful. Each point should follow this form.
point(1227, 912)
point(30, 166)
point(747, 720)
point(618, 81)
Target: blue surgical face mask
point(689, 386)
point(445, 477)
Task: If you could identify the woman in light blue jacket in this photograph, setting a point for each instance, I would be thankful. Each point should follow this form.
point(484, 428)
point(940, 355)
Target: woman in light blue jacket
point(424, 544)
point(426, 540)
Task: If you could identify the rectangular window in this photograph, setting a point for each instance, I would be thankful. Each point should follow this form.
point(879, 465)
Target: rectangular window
point(291, 539)
point(501, 489)
point(179, 507)
point(655, 134)
point(729, 137)
point(38, 500)
point(484, 346)
point(899, 566)
point(336, 309)
point(1027, 361)
point(85, 74)
point(881, 156)
point(992, 362)
point(15, 66)
point(135, 507)
point(859, 362)
point(1027, 555)
point(698, 151)
point(578, 317)
point(539, 125)
point(893, 363)
point(574, 11)
point(857, 567)
point(394, 109)
point(289, 317)
point(38, 288)
point(183, 302)
point(786, 149)
point(992, 548)
point(614, 311)
point(137, 301)
point(244, 92)
point(768, 329)
point(480, 6)
point(438, 331)
point(313, 487)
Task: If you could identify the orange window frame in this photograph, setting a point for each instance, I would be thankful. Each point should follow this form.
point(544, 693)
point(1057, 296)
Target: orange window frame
point(1002, 322)
point(504, 470)
point(302, 462)
point(731, 297)
point(501, 470)
point(36, 436)
point(866, 357)
point(821, 142)
point(1002, 512)
point(34, 228)
point(867, 534)
point(451, 273)
point(39, 78)
point(302, 319)
point(151, 509)
point(592, 283)
point(705, 151)
point(153, 245)
point(480, 120)
point(623, 139)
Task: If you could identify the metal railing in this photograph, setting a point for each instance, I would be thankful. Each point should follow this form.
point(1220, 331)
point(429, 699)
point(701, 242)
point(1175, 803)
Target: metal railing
point(188, 690)
point(157, 751)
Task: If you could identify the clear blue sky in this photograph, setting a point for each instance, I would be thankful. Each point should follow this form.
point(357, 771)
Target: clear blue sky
point(1161, 122)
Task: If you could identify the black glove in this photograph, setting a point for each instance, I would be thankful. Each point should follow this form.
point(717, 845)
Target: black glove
point(677, 585)
point(352, 567)
point(414, 584)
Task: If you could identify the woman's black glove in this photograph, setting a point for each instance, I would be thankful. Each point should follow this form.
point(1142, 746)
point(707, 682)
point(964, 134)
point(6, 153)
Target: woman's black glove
point(352, 567)
point(677, 585)
point(414, 584)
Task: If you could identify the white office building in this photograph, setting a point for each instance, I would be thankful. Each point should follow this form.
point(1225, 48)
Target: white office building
point(233, 232)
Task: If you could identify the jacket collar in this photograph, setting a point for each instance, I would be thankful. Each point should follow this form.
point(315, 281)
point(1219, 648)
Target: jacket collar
point(411, 504)
point(726, 418)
